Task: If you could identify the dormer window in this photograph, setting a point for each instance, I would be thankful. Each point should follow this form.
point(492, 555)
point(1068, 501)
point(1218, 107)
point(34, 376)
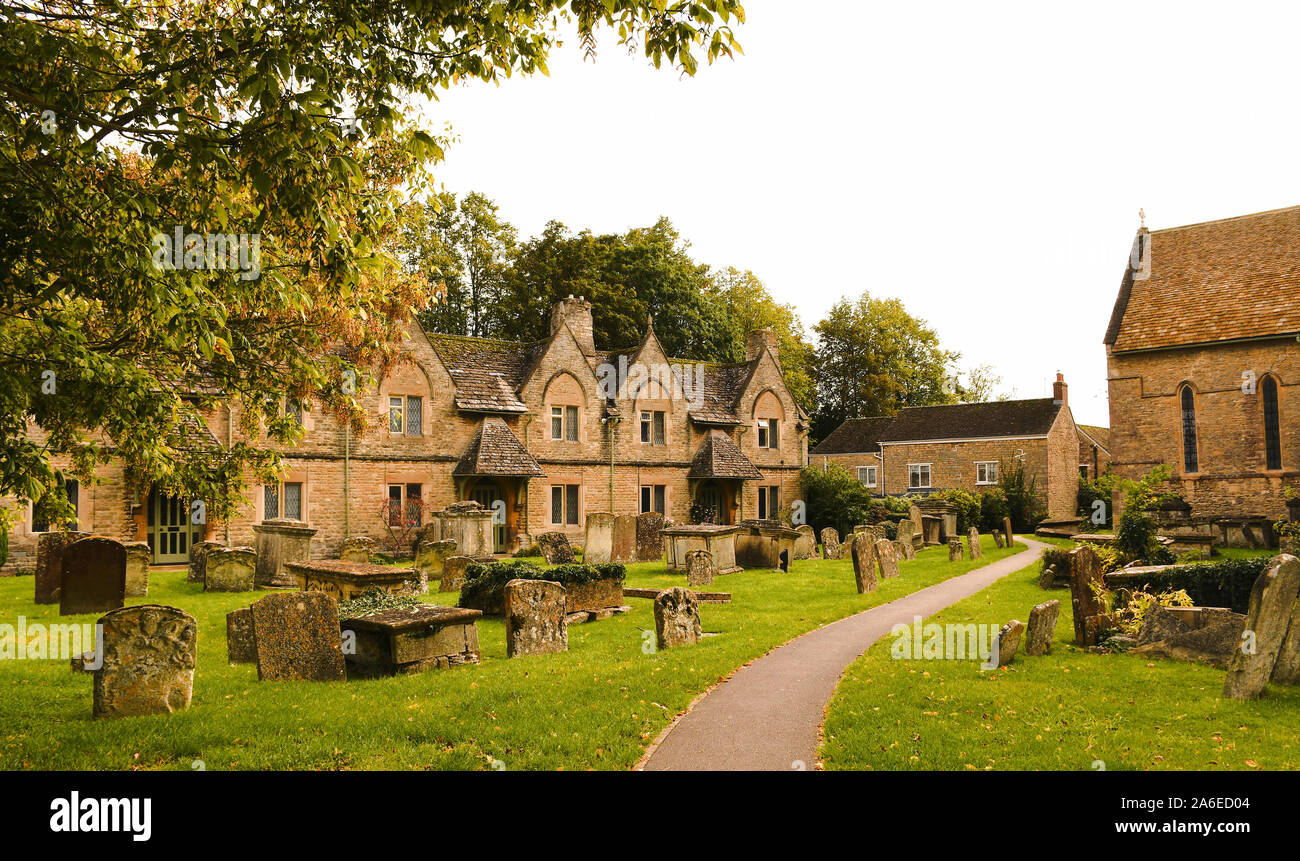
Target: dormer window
point(564, 423)
point(406, 415)
point(653, 427)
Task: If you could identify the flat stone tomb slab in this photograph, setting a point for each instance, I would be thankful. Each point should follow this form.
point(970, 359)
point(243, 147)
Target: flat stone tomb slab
point(347, 580)
point(411, 641)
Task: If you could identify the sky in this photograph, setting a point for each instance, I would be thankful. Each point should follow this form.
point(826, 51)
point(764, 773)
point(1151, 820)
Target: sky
point(983, 163)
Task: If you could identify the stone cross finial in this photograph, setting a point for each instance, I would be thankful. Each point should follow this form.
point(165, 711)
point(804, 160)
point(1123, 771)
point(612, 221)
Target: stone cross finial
point(1142, 214)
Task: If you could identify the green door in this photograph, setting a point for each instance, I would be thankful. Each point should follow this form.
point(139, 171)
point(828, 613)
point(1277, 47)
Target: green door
point(487, 495)
point(170, 532)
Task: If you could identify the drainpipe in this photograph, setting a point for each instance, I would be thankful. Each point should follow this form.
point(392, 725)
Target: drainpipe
point(613, 423)
point(526, 484)
point(230, 443)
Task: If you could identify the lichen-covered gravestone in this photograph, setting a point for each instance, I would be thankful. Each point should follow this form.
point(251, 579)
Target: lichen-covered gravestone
point(830, 543)
point(453, 573)
point(230, 569)
point(240, 647)
point(1287, 669)
point(1042, 627)
point(1272, 602)
point(298, 637)
point(358, 548)
point(94, 576)
point(624, 541)
point(649, 537)
point(677, 618)
point(598, 540)
point(148, 662)
point(905, 549)
point(1009, 641)
point(555, 548)
point(973, 543)
point(805, 546)
point(954, 549)
point(864, 564)
point(535, 618)
point(431, 555)
point(997, 538)
point(888, 561)
point(1006, 531)
point(49, 564)
point(1085, 585)
point(699, 568)
point(198, 556)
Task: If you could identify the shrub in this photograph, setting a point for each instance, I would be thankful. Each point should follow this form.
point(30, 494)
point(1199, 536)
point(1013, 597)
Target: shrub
point(484, 582)
point(4, 544)
point(1210, 584)
point(837, 499)
point(1136, 536)
point(374, 601)
point(993, 507)
point(1021, 494)
point(967, 505)
point(1130, 616)
point(1090, 491)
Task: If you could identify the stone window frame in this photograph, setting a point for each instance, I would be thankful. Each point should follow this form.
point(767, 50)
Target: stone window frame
point(652, 487)
point(565, 485)
point(570, 419)
point(986, 464)
point(280, 497)
point(404, 498)
point(767, 494)
point(875, 474)
point(1274, 445)
point(404, 423)
point(929, 474)
point(768, 420)
point(648, 428)
point(1188, 431)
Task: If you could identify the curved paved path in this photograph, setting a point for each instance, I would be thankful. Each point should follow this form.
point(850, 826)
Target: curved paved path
point(768, 715)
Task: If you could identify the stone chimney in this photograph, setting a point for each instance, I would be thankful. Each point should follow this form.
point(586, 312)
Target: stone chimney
point(577, 313)
point(1060, 390)
point(755, 341)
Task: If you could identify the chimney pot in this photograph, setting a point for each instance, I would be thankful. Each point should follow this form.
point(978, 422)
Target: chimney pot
point(1060, 390)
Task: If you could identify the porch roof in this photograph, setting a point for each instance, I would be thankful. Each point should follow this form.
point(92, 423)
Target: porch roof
point(495, 450)
point(718, 457)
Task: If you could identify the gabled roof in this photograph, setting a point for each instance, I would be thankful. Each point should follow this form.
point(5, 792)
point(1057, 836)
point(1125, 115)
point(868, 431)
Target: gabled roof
point(973, 421)
point(720, 390)
point(495, 450)
point(1217, 281)
point(1099, 435)
point(487, 373)
point(718, 457)
point(854, 436)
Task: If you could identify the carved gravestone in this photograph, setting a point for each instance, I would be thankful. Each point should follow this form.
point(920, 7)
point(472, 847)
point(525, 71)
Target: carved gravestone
point(677, 618)
point(864, 564)
point(954, 549)
point(198, 555)
point(1042, 628)
point(137, 569)
point(535, 618)
point(1006, 531)
point(973, 543)
point(888, 561)
point(358, 548)
point(997, 538)
point(649, 537)
point(240, 648)
point(49, 564)
point(298, 637)
point(623, 548)
point(148, 662)
point(598, 542)
point(230, 569)
point(453, 573)
point(805, 546)
point(555, 548)
point(1009, 641)
point(431, 557)
point(699, 568)
point(1085, 600)
point(1272, 603)
point(830, 543)
point(94, 576)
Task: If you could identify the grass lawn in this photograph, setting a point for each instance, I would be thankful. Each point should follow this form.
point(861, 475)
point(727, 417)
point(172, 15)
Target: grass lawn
point(1061, 711)
point(596, 706)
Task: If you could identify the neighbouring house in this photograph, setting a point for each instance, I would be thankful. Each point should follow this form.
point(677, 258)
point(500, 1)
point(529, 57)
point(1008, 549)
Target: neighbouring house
point(927, 449)
point(552, 429)
point(1203, 363)
point(1094, 450)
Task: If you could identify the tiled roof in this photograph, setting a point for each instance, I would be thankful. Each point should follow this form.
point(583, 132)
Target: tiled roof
point(973, 421)
point(1099, 435)
point(721, 387)
point(718, 457)
point(495, 450)
point(1217, 281)
point(487, 373)
point(854, 436)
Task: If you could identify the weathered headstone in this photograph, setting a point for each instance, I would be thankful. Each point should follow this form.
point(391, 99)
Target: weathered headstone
point(864, 563)
point(1009, 641)
point(137, 569)
point(1042, 627)
point(699, 568)
point(555, 548)
point(954, 549)
point(914, 515)
point(649, 537)
point(198, 553)
point(1006, 531)
point(623, 547)
point(1272, 603)
point(598, 542)
point(1202, 635)
point(1085, 583)
point(535, 625)
point(830, 543)
point(279, 542)
point(905, 530)
point(805, 546)
point(906, 549)
point(49, 564)
point(358, 548)
point(431, 557)
point(240, 646)
point(232, 569)
point(453, 573)
point(888, 561)
point(298, 637)
point(1287, 669)
point(973, 543)
point(997, 538)
point(94, 576)
point(148, 661)
point(677, 618)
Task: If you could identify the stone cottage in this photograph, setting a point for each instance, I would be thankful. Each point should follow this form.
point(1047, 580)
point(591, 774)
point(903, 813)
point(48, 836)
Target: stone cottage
point(927, 449)
point(1203, 360)
point(550, 430)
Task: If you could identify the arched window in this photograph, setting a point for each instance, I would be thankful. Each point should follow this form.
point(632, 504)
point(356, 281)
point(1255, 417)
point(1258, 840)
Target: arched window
point(1190, 463)
point(1272, 432)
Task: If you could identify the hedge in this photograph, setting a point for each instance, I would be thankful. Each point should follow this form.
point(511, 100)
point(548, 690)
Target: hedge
point(1210, 584)
point(481, 581)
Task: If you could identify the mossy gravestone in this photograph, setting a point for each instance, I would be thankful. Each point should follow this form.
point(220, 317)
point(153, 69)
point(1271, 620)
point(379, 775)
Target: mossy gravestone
point(830, 543)
point(298, 637)
point(148, 662)
point(677, 618)
point(1272, 602)
point(864, 563)
point(1042, 627)
point(888, 561)
point(535, 618)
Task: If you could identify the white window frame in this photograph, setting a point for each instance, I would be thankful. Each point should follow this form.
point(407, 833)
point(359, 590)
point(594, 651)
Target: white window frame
point(986, 465)
point(917, 467)
point(399, 403)
point(873, 471)
point(648, 420)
